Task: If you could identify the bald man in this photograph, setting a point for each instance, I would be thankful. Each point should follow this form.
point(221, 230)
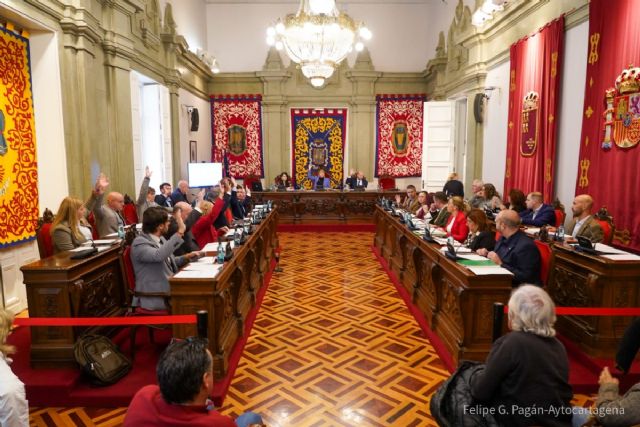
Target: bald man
point(180, 193)
point(189, 216)
point(109, 215)
point(514, 250)
point(583, 223)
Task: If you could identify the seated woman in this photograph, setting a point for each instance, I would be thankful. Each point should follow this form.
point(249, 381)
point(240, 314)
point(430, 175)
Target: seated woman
point(527, 368)
point(203, 230)
point(480, 236)
point(423, 210)
point(492, 200)
point(70, 228)
point(14, 409)
point(283, 181)
point(457, 225)
point(516, 201)
point(320, 181)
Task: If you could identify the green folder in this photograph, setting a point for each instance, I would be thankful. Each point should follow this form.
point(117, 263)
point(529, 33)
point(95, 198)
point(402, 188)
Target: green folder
point(475, 263)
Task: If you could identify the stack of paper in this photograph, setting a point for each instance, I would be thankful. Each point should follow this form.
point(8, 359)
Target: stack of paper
point(213, 247)
point(199, 270)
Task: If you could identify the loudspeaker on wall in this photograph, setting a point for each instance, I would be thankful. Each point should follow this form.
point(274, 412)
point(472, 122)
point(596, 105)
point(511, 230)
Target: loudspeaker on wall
point(195, 120)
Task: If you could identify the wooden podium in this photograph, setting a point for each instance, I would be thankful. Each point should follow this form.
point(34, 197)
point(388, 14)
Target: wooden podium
point(59, 286)
point(229, 296)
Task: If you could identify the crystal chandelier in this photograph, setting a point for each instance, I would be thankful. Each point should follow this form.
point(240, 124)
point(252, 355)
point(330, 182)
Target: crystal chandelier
point(318, 37)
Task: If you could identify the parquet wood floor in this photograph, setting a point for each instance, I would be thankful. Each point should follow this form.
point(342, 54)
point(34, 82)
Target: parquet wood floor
point(333, 345)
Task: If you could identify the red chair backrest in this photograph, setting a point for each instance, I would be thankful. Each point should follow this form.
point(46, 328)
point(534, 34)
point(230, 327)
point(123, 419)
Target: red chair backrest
point(498, 235)
point(387, 182)
point(45, 243)
point(545, 260)
point(608, 231)
point(128, 268)
point(94, 227)
point(130, 214)
point(559, 217)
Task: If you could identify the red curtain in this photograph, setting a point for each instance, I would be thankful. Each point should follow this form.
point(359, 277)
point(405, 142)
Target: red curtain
point(536, 65)
point(609, 173)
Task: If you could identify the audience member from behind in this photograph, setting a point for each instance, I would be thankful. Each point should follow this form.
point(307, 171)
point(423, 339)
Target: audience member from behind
point(583, 223)
point(514, 250)
point(152, 257)
point(181, 398)
point(147, 195)
point(70, 228)
point(453, 186)
point(480, 236)
point(283, 181)
point(457, 225)
point(438, 210)
point(537, 213)
point(410, 203)
point(14, 408)
point(528, 368)
point(108, 216)
point(164, 198)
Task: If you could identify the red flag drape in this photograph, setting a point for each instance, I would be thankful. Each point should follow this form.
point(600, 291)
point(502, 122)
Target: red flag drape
point(536, 65)
point(610, 175)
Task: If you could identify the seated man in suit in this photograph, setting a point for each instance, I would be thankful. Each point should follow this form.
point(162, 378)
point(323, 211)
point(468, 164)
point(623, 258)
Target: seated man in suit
point(152, 256)
point(180, 193)
point(357, 181)
point(438, 210)
point(108, 216)
point(410, 203)
point(164, 198)
point(583, 223)
point(514, 250)
point(189, 217)
point(537, 213)
point(240, 200)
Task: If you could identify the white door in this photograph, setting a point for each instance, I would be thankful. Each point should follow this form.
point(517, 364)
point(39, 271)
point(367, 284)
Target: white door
point(438, 158)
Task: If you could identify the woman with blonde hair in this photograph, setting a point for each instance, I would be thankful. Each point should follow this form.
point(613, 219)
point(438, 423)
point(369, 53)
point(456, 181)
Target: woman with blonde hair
point(457, 224)
point(14, 408)
point(70, 228)
point(203, 230)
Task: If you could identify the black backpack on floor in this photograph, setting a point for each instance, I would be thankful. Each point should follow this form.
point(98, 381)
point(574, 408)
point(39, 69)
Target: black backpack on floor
point(100, 359)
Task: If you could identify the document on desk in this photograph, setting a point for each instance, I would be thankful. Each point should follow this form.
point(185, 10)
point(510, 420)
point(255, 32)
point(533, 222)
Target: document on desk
point(532, 231)
point(213, 247)
point(206, 273)
point(609, 249)
point(459, 249)
point(487, 270)
point(84, 248)
point(622, 257)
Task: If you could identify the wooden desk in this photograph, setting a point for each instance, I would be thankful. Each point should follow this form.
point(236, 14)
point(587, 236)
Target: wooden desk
point(59, 286)
point(581, 280)
point(457, 304)
point(229, 296)
point(346, 206)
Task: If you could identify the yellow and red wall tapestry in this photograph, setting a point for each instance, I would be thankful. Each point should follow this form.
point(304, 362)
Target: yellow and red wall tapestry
point(18, 167)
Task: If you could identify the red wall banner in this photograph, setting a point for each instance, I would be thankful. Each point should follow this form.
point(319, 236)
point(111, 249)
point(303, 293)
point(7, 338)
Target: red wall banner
point(536, 65)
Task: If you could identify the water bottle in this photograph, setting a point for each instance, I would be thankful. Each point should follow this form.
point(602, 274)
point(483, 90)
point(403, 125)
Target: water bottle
point(237, 236)
point(221, 253)
point(560, 233)
point(120, 231)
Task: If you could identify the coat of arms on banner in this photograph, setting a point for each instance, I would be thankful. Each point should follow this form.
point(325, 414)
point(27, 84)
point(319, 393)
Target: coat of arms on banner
point(237, 140)
point(622, 115)
point(530, 111)
point(400, 138)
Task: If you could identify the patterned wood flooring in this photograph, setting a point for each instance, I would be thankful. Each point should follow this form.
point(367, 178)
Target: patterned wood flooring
point(333, 345)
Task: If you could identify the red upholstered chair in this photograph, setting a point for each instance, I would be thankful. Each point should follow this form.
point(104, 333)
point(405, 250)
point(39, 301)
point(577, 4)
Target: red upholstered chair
point(545, 260)
point(94, 227)
point(253, 182)
point(130, 277)
point(387, 182)
point(45, 243)
point(559, 211)
point(129, 211)
point(606, 222)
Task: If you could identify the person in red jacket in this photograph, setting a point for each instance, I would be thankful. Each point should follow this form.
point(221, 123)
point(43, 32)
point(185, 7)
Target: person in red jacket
point(203, 230)
point(181, 398)
point(457, 225)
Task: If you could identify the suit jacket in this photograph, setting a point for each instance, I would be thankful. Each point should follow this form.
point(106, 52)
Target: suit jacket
point(107, 220)
point(440, 218)
point(460, 229)
point(520, 256)
point(314, 179)
point(545, 216)
point(163, 200)
point(485, 239)
point(410, 205)
point(190, 244)
point(177, 196)
point(239, 209)
point(63, 239)
point(591, 229)
point(142, 204)
point(153, 264)
point(352, 182)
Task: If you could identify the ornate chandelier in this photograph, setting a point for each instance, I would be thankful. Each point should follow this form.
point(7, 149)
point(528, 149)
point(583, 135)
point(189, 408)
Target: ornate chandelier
point(318, 37)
